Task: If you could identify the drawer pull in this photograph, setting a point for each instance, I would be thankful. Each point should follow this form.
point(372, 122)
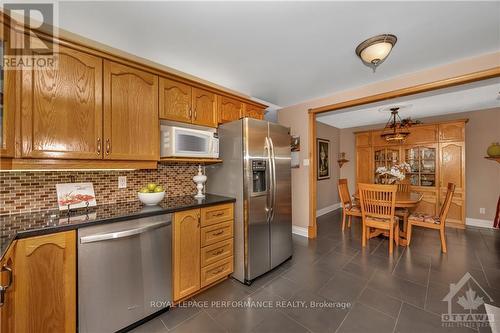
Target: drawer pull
point(218, 271)
point(216, 253)
point(218, 214)
point(220, 232)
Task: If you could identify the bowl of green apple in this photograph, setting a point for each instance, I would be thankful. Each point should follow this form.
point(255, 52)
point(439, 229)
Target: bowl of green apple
point(151, 194)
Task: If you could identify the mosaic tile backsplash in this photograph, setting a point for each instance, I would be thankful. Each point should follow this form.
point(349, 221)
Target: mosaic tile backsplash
point(31, 191)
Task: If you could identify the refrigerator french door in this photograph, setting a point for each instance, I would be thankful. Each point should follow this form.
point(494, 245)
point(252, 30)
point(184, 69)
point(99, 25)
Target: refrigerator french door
point(256, 170)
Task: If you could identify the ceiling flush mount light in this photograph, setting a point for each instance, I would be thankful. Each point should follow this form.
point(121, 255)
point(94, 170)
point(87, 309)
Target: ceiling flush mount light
point(395, 130)
point(373, 51)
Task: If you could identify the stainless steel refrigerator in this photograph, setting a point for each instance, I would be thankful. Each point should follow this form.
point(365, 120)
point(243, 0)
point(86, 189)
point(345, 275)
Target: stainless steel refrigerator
point(256, 171)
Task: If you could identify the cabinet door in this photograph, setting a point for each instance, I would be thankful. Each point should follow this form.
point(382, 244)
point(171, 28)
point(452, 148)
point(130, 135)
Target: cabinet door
point(363, 165)
point(7, 99)
point(45, 278)
point(186, 250)
point(131, 127)
point(253, 112)
point(452, 170)
point(7, 323)
point(452, 131)
point(363, 139)
point(422, 134)
point(229, 109)
point(175, 101)
point(61, 108)
point(204, 108)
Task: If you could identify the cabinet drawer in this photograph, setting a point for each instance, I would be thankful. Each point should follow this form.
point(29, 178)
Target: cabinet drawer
point(216, 214)
point(216, 233)
point(216, 271)
point(215, 252)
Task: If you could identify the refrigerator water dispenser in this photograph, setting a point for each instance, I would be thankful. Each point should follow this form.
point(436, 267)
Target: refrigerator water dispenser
point(259, 176)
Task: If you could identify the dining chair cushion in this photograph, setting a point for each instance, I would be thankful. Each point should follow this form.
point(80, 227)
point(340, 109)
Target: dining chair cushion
point(422, 217)
point(353, 208)
point(381, 219)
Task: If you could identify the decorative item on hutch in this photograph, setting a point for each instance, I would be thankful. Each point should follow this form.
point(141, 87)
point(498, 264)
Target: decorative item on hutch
point(200, 180)
point(394, 174)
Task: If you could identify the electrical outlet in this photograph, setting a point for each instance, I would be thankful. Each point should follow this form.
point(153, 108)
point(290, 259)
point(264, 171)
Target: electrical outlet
point(482, 211)
point(122, 181)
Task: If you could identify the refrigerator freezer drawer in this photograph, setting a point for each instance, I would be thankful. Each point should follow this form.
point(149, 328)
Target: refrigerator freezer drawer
point(216, 233)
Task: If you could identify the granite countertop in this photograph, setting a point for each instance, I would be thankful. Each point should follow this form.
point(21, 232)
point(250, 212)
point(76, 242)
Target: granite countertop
point(45, 222)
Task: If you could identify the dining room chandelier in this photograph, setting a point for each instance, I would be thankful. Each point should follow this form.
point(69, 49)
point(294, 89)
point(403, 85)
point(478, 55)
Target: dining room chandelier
point(395, 130)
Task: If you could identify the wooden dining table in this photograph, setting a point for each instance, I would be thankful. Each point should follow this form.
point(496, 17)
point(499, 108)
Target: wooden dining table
point(407, 200)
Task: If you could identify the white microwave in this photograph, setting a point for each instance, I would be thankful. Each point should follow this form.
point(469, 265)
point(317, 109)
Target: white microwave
point(188, 142)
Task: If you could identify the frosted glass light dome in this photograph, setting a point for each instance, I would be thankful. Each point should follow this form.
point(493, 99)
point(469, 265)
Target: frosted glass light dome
point(374, 50)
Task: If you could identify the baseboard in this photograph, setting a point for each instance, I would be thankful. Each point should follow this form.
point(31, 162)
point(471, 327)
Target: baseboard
point(327, 209)
point(301, 231)
point(479, 223)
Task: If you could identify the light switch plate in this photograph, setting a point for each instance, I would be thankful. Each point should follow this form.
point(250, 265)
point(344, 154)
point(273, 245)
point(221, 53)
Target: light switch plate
point(482, 211)
point(122, 181)
point(306, 162)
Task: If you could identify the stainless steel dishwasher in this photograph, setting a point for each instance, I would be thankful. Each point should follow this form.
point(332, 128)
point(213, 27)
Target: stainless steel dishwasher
point(124, 272)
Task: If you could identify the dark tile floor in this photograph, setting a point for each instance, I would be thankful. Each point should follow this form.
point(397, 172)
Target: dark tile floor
point(398, 293)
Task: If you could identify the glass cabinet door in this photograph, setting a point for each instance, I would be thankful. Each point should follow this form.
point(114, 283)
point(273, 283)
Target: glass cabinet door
point(422, 161)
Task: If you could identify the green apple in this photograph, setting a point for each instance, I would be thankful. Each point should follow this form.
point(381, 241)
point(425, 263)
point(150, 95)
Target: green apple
point(144, 190)
point(151, 187)
point(158, 189)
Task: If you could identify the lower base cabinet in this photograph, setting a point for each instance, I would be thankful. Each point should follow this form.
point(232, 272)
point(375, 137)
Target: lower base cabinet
point(202, 248)
point(42, 294)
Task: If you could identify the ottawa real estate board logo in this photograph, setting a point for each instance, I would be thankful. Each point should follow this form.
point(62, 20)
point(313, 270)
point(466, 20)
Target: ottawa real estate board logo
point(25, 43)
point(469, 305)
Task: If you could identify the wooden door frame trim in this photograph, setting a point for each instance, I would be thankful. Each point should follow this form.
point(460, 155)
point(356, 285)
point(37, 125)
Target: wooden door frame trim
point(425, 87)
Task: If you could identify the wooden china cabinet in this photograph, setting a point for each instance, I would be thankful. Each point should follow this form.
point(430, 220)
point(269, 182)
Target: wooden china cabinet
point(436, 155)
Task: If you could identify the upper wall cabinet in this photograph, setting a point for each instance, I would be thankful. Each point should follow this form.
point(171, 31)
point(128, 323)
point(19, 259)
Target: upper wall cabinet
point(175, 100)
point(452, 131)
point(130, 113)
point(204, 108)
point(363, 139)
point(184, 103)
point(61, 108)
point(7, 103)
point(253, 111)
point(229, 109)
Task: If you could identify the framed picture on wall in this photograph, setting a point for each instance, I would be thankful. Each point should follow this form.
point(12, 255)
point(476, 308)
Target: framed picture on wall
point(323, 158)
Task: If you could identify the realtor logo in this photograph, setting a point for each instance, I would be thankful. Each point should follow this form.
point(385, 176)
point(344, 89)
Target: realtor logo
point(24, 46)
point(466, 304)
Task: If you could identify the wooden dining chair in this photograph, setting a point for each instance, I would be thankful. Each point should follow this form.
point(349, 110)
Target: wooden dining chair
point(378, 207)
point(348, 207)
point(403, 213)
point(431, 221)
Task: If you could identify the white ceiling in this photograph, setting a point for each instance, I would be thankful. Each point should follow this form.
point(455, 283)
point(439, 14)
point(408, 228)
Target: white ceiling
point(287, 52)
point(464, 98)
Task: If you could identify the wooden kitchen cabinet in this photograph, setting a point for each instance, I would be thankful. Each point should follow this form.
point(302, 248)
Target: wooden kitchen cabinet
point(175, 100)
point(188, 104)
point(61, 109)
point(7, 323)
point(454, 131)
point(42, 297)
point(202, 248)
point(229, 109)
point(364, 169)
point(186, 253)
point(252, 111)
point(131, 127)
point(204, 108)
point(7, 101)
point(452, 170)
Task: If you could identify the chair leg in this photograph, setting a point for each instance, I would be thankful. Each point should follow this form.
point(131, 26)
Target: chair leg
point(391, 240)
point(350, 217)
point(443, 240)
point(343, 221)
point(396, 234)
point(363, 235)
point(408, 234)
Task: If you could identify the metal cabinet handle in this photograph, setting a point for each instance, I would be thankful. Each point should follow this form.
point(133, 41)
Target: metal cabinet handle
point(218, 214)
point(218, 233)
point(108, 146)
point(195, 114)
point(190, 112)
point(99, 146)
point(3, 289)
point(216, 253)
point(121, 234)
point(218, 271)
